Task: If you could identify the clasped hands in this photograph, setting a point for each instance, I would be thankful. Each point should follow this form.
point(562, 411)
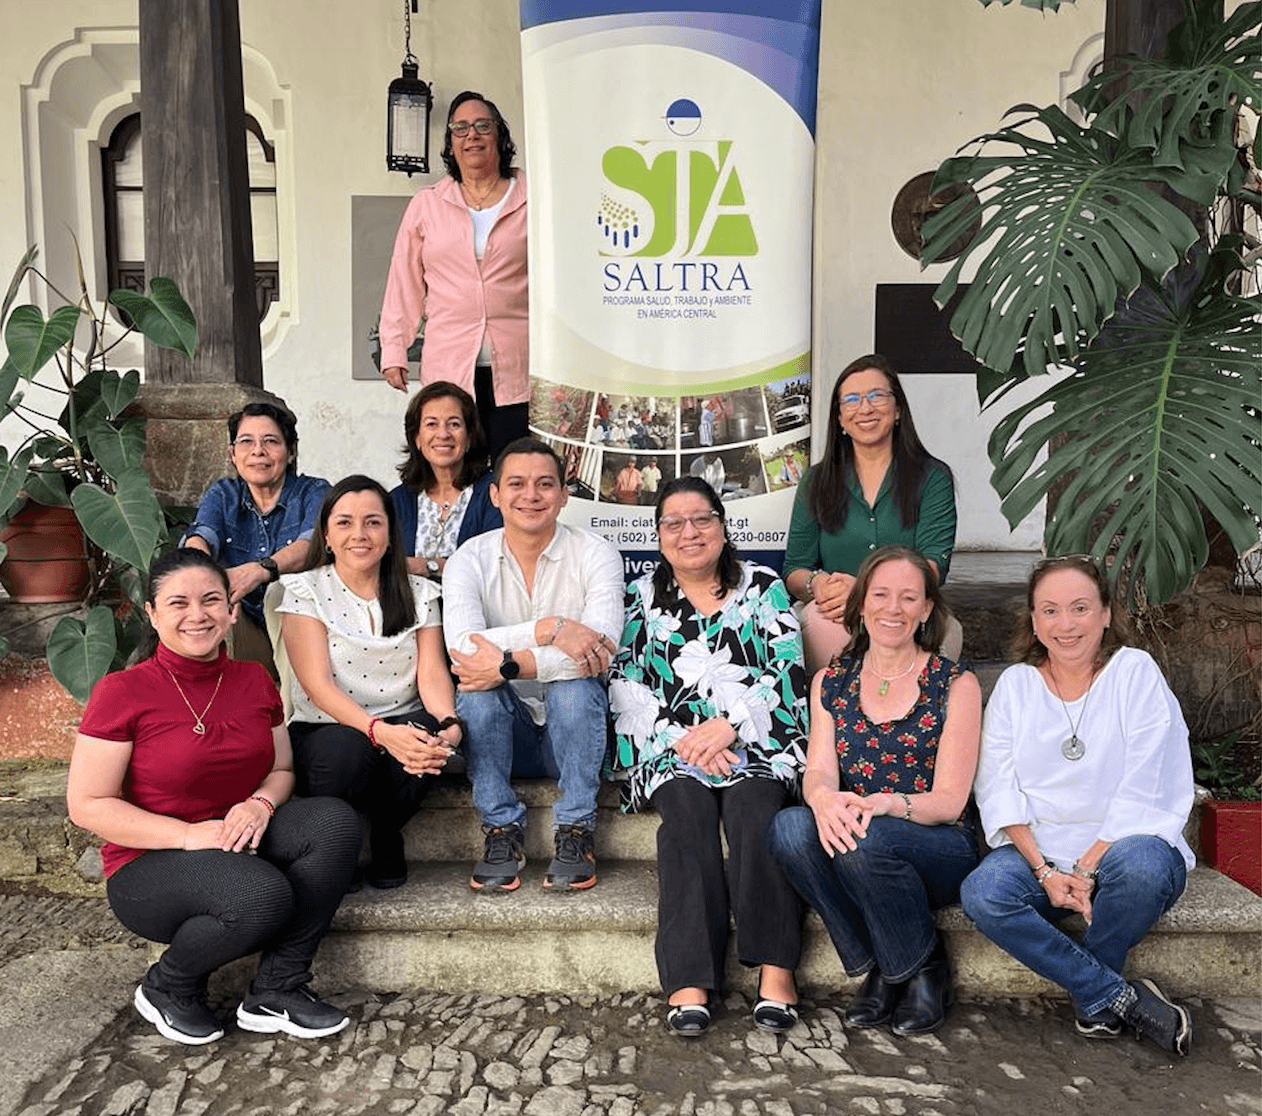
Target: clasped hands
point(841, 819)
point(1071, 892)
point(239, 829)
point(830, 591)
point(708, 746)
point(418, 750)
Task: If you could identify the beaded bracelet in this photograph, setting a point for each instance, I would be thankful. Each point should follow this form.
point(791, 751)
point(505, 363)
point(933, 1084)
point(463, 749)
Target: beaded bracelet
point(1084, 873)
point(1043, 871)
point(907, 805)
point(810, 593)
point(372, 739)
point(556, 631)
point(271, 806)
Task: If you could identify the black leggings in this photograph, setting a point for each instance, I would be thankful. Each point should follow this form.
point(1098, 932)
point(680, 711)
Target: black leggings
point(214, 906)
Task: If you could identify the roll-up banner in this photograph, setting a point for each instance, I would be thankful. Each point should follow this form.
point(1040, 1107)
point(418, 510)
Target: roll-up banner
point(672, 147)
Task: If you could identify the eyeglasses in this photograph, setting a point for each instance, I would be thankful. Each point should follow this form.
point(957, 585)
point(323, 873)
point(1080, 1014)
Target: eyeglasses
point(878, 397)
point(269, 442)
point(673, 524)
point(484, 125)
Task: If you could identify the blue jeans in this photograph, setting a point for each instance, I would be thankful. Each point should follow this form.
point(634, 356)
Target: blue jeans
point(1140, 879)
point(504, 741)
point(878, 901)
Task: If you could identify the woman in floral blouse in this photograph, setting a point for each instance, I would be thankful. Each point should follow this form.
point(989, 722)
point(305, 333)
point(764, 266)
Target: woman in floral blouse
point(887, 834)
point(707, 697)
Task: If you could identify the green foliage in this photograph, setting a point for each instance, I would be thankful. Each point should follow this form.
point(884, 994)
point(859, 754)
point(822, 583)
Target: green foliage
point(81, 652)
point(1162, 411)
point(1216, 770)
point(1084, 262)
point(1076, 227)
point(92, 459)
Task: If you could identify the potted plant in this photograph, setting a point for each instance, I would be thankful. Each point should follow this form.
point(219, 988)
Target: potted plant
point(1231, 819)
point(1123, 251)
point(87, 457)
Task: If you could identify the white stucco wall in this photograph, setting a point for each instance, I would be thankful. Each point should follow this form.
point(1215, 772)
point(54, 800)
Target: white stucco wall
point(903, 83)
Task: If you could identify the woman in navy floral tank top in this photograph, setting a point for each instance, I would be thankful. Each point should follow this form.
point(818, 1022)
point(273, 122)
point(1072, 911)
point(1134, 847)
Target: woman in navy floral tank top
point(887, 835)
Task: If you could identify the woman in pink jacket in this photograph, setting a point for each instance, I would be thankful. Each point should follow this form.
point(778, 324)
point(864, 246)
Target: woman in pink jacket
point(459, 263)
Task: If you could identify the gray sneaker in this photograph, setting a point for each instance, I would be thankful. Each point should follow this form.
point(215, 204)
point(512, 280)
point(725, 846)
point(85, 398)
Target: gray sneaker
point(1157, 1017)
point(502, 859)
point(574, 866)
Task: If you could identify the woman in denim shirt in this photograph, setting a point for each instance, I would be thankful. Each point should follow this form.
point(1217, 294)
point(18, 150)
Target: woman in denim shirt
point(258, 523)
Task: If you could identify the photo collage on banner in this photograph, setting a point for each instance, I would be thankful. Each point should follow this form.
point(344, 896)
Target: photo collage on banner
point(670, 256)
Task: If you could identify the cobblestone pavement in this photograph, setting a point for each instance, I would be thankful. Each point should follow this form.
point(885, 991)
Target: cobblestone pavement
point(71, 1044)
point(580, 1056)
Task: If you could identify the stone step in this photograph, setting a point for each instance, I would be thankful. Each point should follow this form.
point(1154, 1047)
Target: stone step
point(435, 933)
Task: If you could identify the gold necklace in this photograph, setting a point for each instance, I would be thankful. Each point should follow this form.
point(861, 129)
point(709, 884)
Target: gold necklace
point(477, 201)
point(884, 687)
point(199, 726)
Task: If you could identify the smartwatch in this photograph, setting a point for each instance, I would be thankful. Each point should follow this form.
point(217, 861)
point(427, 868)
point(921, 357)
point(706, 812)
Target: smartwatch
point(273, 570)
point(510, 668)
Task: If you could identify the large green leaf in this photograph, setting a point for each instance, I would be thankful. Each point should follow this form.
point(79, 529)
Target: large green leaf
point(126, 524)
point(1162, 411)
point(118, 447)
point(1072, 227)
point(117, 392)
point(162, 316)
point(47, 487)
point(32, 341)
point(12, 476)
point(80, 652)
point(1182, 107)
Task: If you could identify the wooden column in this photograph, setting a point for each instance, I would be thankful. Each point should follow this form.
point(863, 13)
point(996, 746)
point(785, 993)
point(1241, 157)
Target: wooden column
point(197, 198)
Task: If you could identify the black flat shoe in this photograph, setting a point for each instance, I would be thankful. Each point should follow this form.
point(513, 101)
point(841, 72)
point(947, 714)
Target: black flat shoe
point(688, 1020)
point(772, 1015)
point(924, 1005)
point(874, 1005)
point(389, 867)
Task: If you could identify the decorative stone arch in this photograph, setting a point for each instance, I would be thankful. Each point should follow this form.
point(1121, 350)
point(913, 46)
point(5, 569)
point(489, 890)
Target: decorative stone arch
point(79, 92)
point(1087, 59)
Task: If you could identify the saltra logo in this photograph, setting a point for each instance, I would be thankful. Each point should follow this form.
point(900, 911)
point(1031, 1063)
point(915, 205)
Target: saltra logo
point(674, 197)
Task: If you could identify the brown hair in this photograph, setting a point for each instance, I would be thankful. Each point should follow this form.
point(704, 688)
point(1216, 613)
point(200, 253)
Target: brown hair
point(929, 635)
point(1028, 648)
point(416, 472)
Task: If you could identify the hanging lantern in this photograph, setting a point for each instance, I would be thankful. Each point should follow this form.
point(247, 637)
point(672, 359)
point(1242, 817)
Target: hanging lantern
point(408, 104)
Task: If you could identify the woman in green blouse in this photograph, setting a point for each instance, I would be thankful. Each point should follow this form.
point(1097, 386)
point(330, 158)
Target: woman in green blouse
point(876, 485)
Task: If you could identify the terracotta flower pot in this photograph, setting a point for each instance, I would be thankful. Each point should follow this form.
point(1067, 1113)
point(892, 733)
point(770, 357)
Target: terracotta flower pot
point(1231, 840)
point(47, 560)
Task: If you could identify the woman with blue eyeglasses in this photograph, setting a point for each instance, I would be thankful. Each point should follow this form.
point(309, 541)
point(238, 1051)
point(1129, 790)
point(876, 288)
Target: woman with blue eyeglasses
point(876, 485)
point(459, 264)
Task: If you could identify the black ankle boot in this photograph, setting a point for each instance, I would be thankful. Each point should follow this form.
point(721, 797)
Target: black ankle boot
point(924, 1005)
point(875, 1002)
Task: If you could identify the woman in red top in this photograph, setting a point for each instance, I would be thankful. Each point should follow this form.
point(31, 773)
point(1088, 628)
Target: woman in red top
point(182, 764)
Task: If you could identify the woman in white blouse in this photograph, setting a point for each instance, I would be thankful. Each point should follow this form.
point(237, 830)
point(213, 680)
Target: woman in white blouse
point(1084, 786)
point(374, 708)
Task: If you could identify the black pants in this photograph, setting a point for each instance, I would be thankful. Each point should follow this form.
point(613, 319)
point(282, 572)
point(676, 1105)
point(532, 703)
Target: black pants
point(693, 896)
point(501, 425)
point(339, 761)
point(213, 906)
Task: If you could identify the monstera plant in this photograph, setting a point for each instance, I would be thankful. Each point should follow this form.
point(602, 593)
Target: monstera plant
point(1122, 254)
point(89, 454)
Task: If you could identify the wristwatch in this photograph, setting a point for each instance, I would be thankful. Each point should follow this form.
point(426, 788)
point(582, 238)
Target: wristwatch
point(431, 567)
point(510, 668)
point(269, 564)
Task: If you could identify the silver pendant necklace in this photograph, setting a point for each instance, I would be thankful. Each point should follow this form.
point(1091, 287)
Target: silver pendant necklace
point(1072, 748)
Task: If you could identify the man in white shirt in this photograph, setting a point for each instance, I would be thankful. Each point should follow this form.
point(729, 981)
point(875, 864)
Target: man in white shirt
point(532, 614)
